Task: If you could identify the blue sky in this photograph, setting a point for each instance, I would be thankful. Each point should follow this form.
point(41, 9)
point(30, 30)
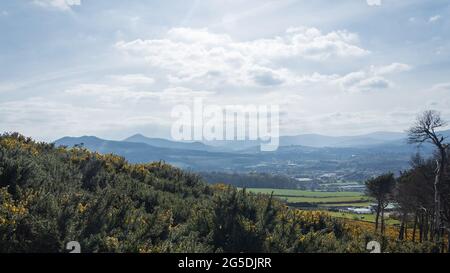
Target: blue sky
point(114, 68)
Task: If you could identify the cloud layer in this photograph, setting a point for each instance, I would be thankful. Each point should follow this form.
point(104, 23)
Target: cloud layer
point(114, 68)
point(200, 55)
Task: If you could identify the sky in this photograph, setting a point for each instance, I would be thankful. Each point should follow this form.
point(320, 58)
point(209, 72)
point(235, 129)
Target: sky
point(114, 68)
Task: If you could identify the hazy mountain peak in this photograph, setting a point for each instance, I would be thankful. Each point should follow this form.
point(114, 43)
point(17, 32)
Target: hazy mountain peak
point(137, 135)
point(166, 143)
point(79, 138)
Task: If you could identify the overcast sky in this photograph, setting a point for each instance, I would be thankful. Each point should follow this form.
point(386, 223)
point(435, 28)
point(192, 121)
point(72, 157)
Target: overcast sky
point(113, 68)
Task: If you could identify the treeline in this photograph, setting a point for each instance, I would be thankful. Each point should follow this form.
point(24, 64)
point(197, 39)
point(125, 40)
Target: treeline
point(416, 198)
point(50, 196)
point(411, 198)
point(253, 180)
point(420, 196)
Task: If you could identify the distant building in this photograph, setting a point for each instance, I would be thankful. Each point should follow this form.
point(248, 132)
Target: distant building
point(303, 179)
point(389, 207)
point(353, 187)
point(367, 210)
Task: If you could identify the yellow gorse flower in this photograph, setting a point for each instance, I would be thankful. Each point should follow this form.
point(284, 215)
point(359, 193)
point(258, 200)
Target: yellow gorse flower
point(81, 208)
point(10, 209)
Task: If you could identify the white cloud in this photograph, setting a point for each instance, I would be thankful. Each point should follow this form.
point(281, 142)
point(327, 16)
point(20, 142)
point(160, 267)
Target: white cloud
point(390, 69)
point(306, 43)
point(373, 83)
point(362, 81)
point(266, 77)
point(373, 2)
point(58, 4)
point(371, 79)
point(190, 55)
point(434, 18)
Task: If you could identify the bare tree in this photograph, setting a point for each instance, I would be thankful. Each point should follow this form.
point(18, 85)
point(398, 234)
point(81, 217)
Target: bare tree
point(425, 130)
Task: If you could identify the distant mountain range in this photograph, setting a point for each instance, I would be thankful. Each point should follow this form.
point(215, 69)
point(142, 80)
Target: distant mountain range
point(140, 152)
point(232, 146)
point(315, 140)
point(165, 143)
point(357, 157)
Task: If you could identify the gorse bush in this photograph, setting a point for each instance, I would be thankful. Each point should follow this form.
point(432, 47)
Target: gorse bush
point(52, 195)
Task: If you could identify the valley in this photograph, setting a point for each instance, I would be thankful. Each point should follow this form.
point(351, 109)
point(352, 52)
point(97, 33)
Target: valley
point(329, 164)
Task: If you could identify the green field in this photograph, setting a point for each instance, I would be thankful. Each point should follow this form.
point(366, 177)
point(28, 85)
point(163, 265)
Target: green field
point(338, 200)
point(326, 201)
point(361, 217)
point(302, 193)
point(343, 205)
point(317, 198)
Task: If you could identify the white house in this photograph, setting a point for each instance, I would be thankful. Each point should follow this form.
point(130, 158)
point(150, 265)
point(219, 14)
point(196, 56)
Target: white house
point(360, 210)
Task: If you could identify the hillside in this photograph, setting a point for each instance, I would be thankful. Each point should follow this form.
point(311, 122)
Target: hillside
point(139, 152)
point(50, 196)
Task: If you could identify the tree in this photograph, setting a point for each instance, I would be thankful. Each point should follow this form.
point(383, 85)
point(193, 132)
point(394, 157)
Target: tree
point(415, 195)
point(381, 189)
point(425, 130)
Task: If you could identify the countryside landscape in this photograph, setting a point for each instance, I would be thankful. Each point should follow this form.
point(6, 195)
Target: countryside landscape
point(244, 128)
point(73, 188)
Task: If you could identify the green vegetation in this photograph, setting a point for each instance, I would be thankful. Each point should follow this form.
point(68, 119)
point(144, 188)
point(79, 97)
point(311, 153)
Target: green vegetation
point(326, 200)
point(362, 217)
point(50, 196)
point(302, 193)
point(345, 205)
point(301, 198)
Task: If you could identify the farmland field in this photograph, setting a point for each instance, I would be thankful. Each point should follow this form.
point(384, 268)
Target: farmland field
point(361, 217)
point(301, 198)
point(302, 193)
point(326, 201)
